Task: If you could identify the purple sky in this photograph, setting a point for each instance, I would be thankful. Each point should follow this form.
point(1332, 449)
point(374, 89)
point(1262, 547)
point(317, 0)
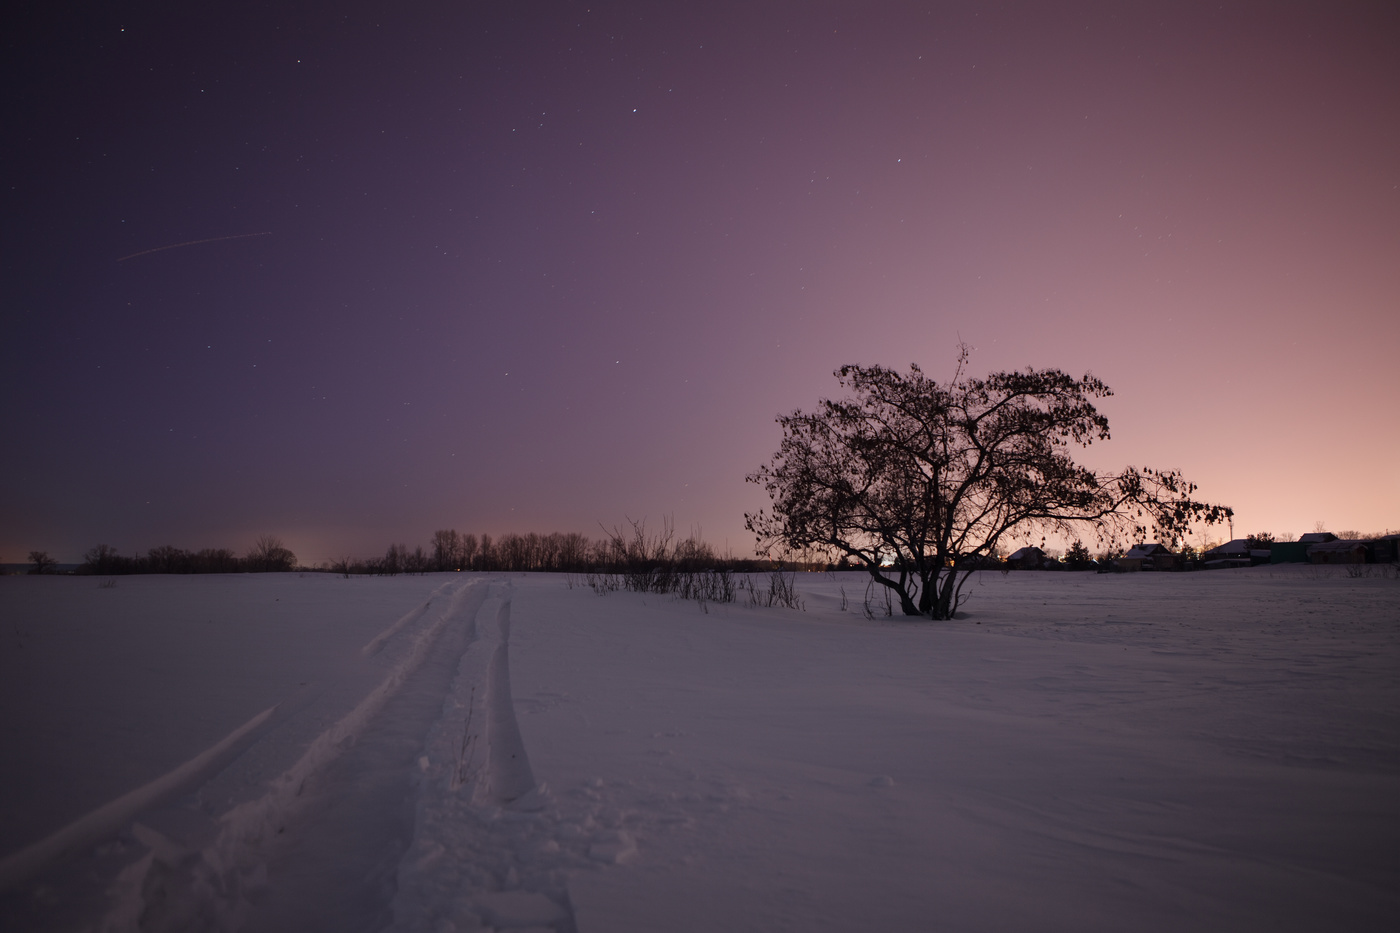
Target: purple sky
point(542, 269)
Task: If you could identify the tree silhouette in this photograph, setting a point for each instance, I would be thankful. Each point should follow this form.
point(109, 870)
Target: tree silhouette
point(919, 481)
point(268, 555)
point(1078, 556)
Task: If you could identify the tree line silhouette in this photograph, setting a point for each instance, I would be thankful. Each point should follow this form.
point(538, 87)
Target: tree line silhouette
point(619, 551)
point(267, 555)
point(632, 550)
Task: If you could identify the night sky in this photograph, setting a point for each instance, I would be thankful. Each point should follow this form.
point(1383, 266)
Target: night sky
point(541, 266)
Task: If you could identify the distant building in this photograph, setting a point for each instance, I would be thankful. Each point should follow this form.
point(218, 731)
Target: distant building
point(1338, 552)
point(1289, 552)
point(1148, 557)
point(1317, 537)
point(1236, 553)
point(1026, 558)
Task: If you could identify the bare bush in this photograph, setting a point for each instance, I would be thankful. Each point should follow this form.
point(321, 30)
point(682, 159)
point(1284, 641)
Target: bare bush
point(269, 555)
point(42, 562)
point(871, 597)
point(639, 561)
point(780, 591)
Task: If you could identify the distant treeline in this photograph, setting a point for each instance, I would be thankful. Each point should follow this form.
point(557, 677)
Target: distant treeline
point(268, 555)
point(620, 551)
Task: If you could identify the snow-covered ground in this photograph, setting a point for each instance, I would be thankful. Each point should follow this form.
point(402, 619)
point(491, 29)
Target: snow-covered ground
point(1211, 751)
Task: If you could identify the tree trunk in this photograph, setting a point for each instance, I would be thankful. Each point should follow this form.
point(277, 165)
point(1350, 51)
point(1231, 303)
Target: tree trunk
point(948, 585)
point(906, 604)
point(928, 595)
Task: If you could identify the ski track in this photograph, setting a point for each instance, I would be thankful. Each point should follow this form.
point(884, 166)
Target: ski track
point(376, 643)
point(111, 818)
point(492, 849)
point(451, 832)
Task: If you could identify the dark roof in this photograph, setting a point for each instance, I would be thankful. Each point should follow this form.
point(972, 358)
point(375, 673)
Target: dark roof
point(1338, 545)
point(1317, 537)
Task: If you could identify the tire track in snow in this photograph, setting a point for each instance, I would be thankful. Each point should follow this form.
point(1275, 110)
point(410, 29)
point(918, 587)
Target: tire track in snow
point(486, 851)
point(111, 817)
point(509, 778)
point(492, 849)
point(375, 644)
point(417, 811)
point(250, 875)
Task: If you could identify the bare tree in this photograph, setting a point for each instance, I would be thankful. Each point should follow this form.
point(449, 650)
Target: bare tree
point(269, 555)
point(104, 559)
point(510, 552)
point(394, 560)
point(919, 481)
point(218, 560)
point(169, 559)
point(42, 562)
point(574, 551)
point(417, 562)
point(447, 550)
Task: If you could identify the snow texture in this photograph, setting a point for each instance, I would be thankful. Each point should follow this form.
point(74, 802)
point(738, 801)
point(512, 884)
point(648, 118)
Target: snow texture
point(1212, 751)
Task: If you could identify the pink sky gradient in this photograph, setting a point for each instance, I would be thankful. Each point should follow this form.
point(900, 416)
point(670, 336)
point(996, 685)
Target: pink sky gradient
point(544, 269)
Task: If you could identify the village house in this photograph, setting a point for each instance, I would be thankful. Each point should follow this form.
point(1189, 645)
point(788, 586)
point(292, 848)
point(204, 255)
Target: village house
point(1289, 552)
point(1147, 557)
point(1236, 553)
point(1317, 537)
point(1026, 558)
point(1338, 552)
point(1296, 552)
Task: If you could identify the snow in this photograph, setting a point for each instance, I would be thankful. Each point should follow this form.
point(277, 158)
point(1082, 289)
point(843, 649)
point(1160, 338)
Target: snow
point(479, 752)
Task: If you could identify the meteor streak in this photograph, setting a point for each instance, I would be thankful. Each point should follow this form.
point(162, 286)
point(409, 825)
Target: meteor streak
point(212, 239)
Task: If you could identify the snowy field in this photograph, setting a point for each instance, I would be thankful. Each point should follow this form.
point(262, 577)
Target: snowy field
point(1211, 751)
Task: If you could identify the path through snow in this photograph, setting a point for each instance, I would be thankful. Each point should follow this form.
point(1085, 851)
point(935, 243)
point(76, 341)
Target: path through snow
point(323, 848)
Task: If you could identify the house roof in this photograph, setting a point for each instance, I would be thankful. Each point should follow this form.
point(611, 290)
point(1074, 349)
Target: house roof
point(1317, 537)
point(1023, 553)
point(1337, 545)
point(1142, 551)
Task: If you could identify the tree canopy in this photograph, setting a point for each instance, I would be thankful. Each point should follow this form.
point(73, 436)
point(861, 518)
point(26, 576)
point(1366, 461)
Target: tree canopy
point(919, 481)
